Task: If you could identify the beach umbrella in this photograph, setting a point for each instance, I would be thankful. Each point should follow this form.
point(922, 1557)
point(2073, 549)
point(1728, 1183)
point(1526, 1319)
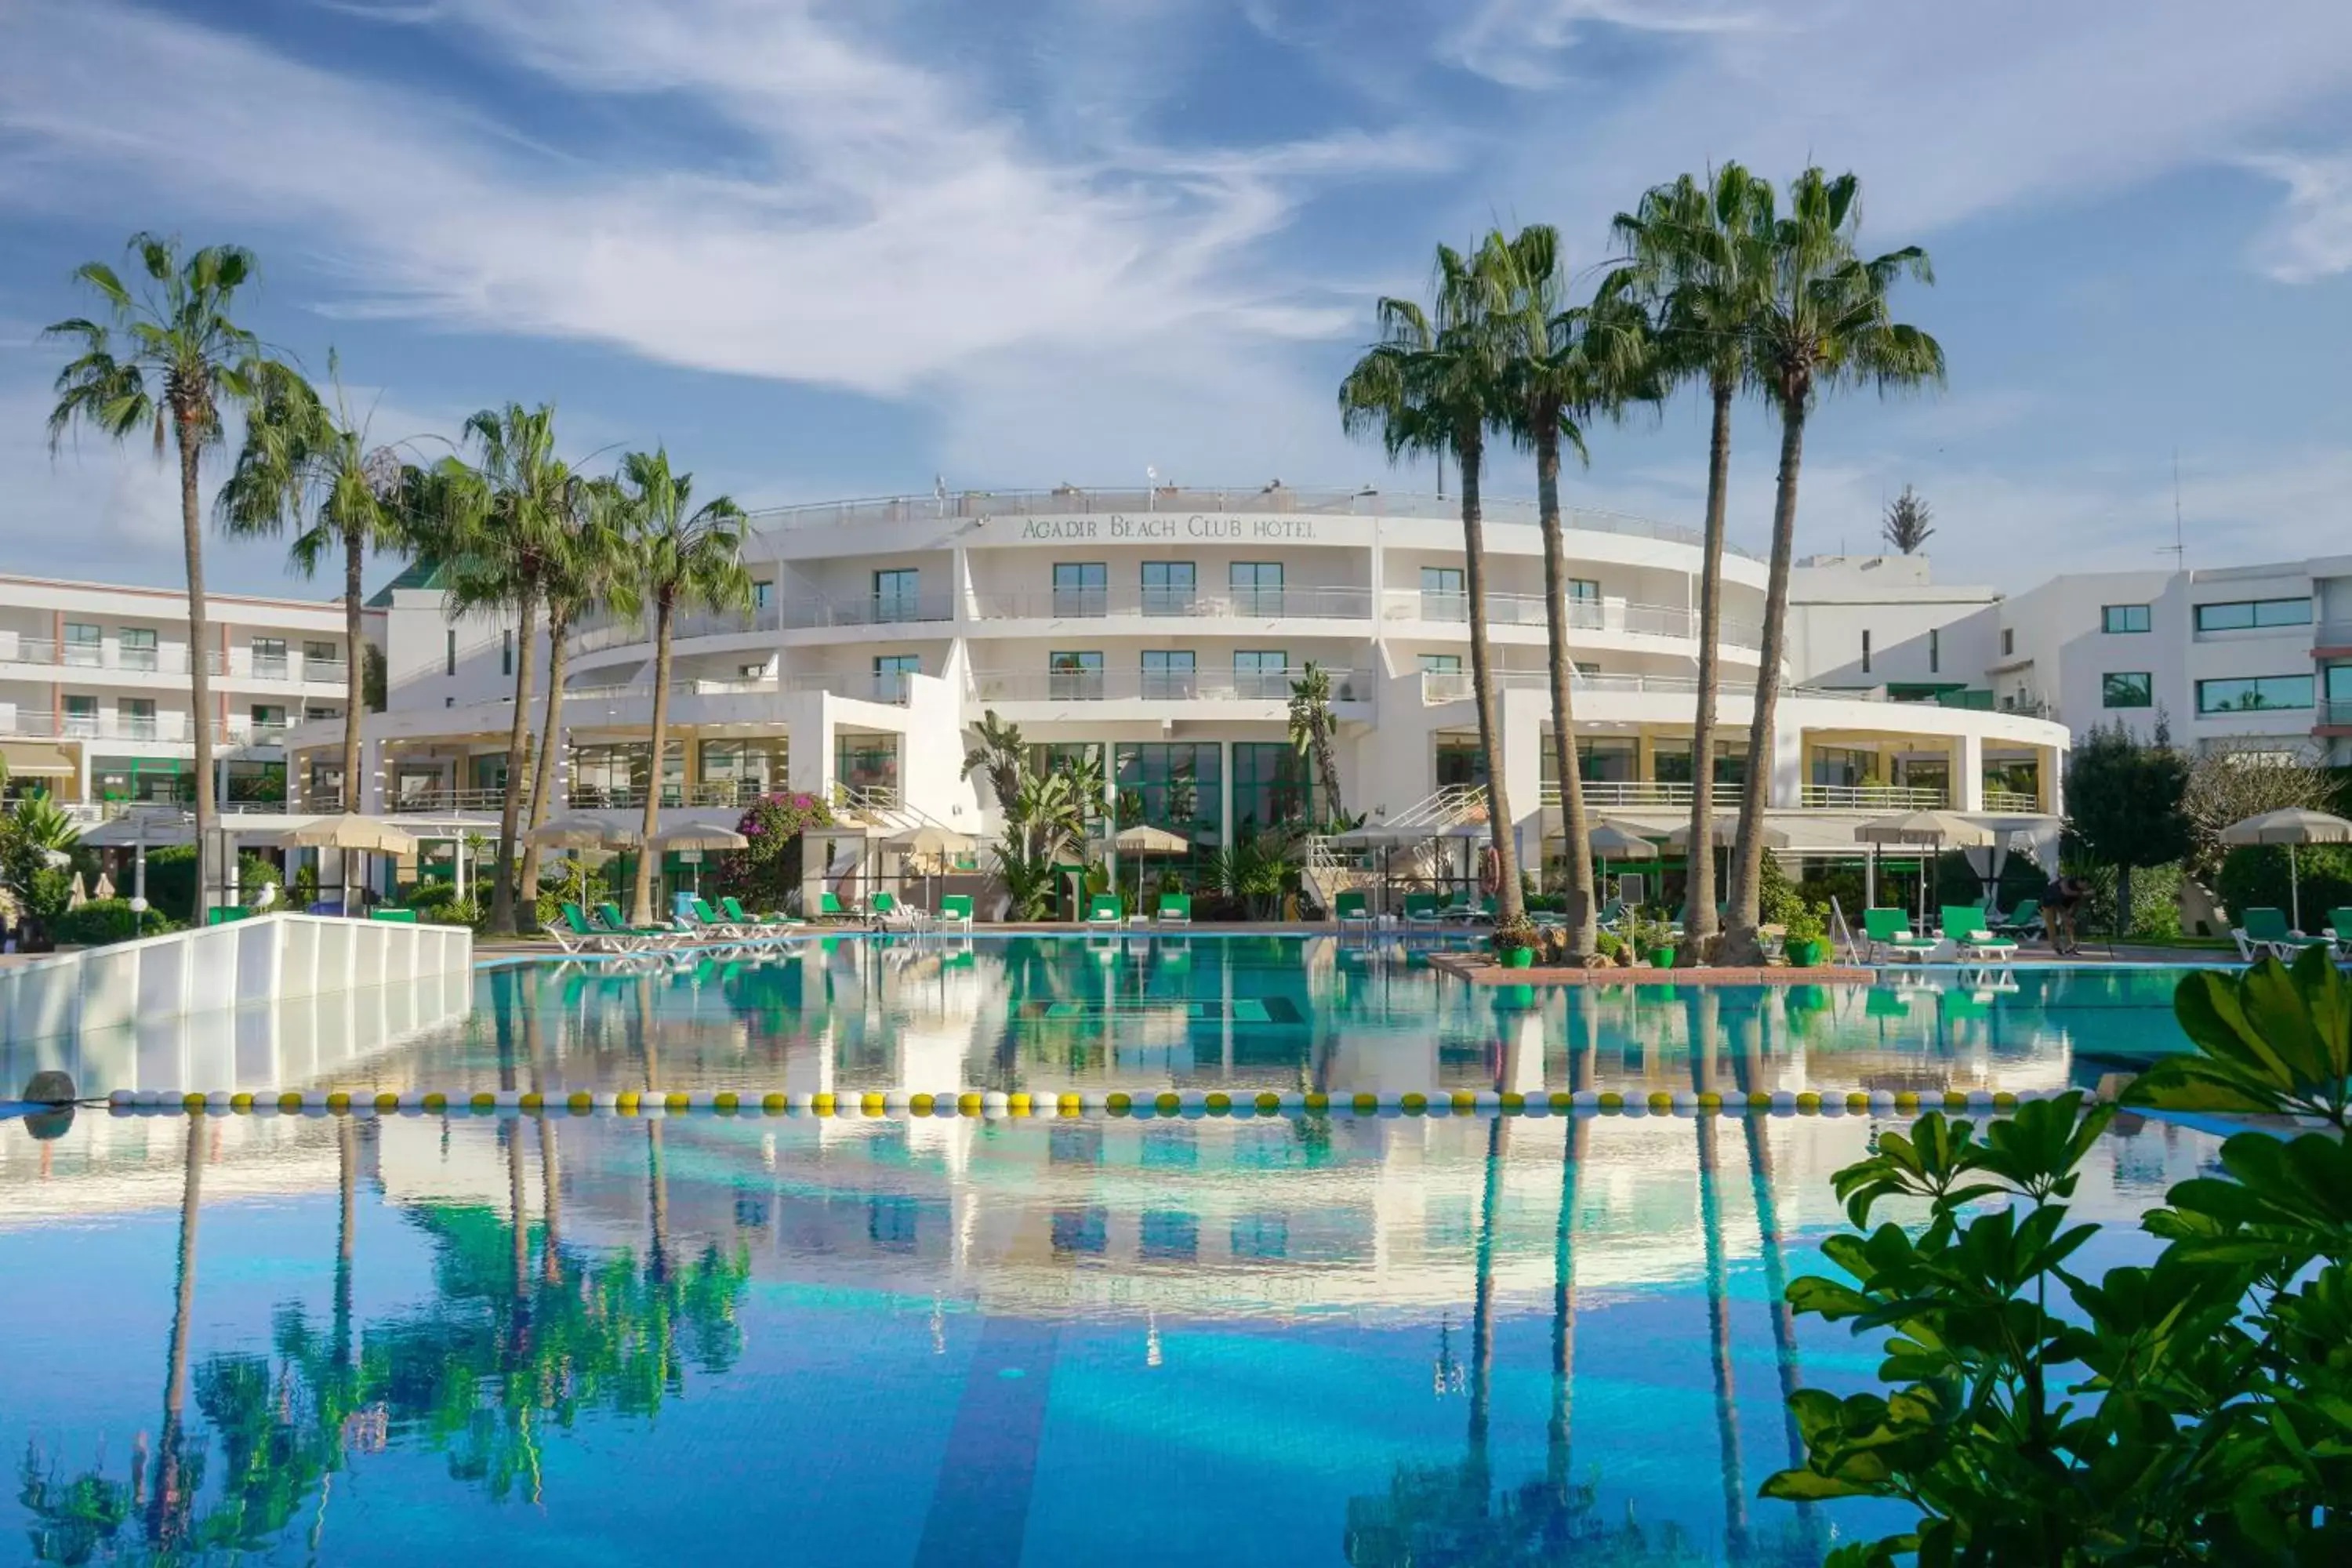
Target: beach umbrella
point(697, 836)
point(2290, 826)
point(1615, 841)
point(104, 887)
point(344, 832)
point(1145, 840)
point(934, 843)
point(1723, 831)
point(1937, 828)
point(583, 833)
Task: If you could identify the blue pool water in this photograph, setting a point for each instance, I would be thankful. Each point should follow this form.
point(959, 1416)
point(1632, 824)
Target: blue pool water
point(951, 1341)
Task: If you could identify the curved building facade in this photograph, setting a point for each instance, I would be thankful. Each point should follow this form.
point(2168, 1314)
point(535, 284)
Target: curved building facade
point(1163, 631)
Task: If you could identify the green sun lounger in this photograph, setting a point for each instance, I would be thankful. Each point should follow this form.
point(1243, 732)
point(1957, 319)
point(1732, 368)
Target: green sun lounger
point(1888, 933)
point(1963, 927)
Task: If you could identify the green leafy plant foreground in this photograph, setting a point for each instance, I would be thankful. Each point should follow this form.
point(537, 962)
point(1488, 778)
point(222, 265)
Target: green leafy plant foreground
point(2195, 1410)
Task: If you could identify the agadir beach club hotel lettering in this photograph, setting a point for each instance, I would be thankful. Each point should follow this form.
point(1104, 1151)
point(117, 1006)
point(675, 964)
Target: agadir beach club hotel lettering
point(1142, 528)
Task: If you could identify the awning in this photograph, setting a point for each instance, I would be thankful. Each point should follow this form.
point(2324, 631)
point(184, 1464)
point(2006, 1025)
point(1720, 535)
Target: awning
point(37, 759)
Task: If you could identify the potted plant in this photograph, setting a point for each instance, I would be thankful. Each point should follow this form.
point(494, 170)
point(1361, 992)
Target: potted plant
point(1804, 936)
point(1513, 943)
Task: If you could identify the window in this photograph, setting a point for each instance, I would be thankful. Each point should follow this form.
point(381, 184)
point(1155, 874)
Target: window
point(1167, 588)
point(1074, 677)
point(1261, 672)
point(1583, 602)
point(742, 770)
point(450, 652)
point(891, 672)
point(1441, 664)
point(2339, 687)
point(311, 713)
point(1081, 588)
point(761, 591)
point(81, 715)
point(1608, 759)
point(1935, 650)
point(1460, 761)
point(2118, 618)
point(138, 645)
point(1272, 785)
point(1257, 587)
point(2252, 694)
point(1442, 598)
point(1168, 672)
point(898, 594)
point(267, 716)
point(322, 653)
point(2247, 614)
point(1173, 785)
point(137, 717)
point(867, 763)
point(2129, 689)
point(2008, 641)
point(81, 645)
point(1865, 650)
point(505, 653)
point(269, 657)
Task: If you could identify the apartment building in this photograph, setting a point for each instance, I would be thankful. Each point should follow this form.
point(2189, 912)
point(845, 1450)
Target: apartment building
point(95, 707)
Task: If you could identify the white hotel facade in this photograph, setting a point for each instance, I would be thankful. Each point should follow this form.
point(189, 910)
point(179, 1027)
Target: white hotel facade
point(1163, 631)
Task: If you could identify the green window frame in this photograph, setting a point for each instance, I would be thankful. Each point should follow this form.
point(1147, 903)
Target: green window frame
point(2117, 620)
point(2255, 694)
point(1081, 588)
point(1256, 587)
point(1074, 674)
point(2128, 689)
point(1168, 586)
point(2254, 615)
point(1169, 673)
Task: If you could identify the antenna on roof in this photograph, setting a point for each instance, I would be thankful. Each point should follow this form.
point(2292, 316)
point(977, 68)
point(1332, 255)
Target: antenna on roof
point(2179, 548)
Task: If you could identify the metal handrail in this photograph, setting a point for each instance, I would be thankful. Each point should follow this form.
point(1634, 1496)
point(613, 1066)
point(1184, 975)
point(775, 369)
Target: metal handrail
point(1128, 684)
point(1288, 601)
point(2010, 800)
point(1873, 797)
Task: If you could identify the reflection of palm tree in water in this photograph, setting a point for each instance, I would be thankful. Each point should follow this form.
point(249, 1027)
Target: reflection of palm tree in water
point(656, 1179)
point(1748, 1031)
point(173, 1486)
point(1704, 1010)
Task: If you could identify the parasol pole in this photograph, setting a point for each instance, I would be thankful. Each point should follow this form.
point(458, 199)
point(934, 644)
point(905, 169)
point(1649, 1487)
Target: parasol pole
point(2293, 886)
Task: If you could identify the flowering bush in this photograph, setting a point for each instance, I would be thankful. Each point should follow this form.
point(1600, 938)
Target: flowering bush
point(767, 872)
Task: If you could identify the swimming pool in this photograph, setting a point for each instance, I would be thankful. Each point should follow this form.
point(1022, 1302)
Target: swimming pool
point(957, 1341)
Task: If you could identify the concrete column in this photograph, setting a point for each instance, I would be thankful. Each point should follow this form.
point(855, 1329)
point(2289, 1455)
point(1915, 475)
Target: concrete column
point(1787, 788)
point(1225, 792)
point(1968, 785)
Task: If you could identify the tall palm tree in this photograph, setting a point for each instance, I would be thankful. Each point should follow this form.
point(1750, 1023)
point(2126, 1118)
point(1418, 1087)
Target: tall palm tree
point(498, 525)
point(588, 564)
point(1694, 254)
point(1824, 323)
point(1434, 384)
point(170, 360)
point(693, 559)
point(309, 466)
point(1565, 364)
point(1311, 733)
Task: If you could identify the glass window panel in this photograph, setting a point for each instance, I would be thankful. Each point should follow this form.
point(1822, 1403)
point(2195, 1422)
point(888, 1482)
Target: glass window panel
point(2119, 618)
point(1081, 588)
point(2128, 689)
point(2254, 694)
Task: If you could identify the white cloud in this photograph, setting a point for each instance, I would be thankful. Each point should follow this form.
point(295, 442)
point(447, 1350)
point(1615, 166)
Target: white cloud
point(888, 225)
point(2312, 238)
point(1519, 43)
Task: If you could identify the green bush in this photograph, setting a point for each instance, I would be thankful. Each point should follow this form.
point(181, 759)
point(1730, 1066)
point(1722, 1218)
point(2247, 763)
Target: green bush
point(2156, 901)
point(2256, 877)
point(102, 921)
point(766, 873)
point(428, 895)
point(171, 879)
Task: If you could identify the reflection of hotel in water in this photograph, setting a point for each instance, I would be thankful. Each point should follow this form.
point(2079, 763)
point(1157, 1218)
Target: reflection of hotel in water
point(1116, 1215)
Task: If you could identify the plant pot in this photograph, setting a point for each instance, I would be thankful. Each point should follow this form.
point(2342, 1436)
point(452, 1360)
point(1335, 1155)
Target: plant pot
point(1804, 951)
point(1662, 958)
point(1518, 958)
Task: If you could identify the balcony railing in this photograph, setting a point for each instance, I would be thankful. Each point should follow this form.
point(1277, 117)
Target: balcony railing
point(1873, 797)
point(1325, 604)
point(1158, 686)
point(171, 729)
point(2336, 712)
point(723, 793)
point(171, 659)
point(434, 798)
point(872, 610)
point(1070, 501)
point(864, 686)
point(1583, 614)
point(1632, 792)
point(2010, 800)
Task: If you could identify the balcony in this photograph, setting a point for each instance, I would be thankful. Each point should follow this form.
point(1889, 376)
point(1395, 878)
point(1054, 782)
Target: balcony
point(163, 729)
point(1873, 797)
point(888, 687)
point(727, 794)
point(1158, 686)
point(2336, 715)
point(169, 659)
point(434, 798)
point(1340, 604)
point(2011, 801)
point(1636, 792)
point(1618, 616)
point(872, 610)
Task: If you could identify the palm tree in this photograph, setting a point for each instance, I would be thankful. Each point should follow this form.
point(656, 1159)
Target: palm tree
point(1823, 323)
point(170, 362)
point(1565, 364)
point(682, 558)
point(497, 525)
point(1311, 732)
point(588, 564)
point(309, 466)
point(1434, 383)
point(1000, 755)
point(171, 1502)
point(1694, 253)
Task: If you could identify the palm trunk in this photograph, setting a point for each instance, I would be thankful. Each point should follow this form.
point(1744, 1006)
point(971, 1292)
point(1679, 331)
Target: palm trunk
point(1482, 1308)
point(1563, 711)
point(551, 745)
point(1507, 906)
point(166, 1501)
point(502, 886)
point(1704, 1019)
point(641, 903)
point(1750, 1067)
point(1326, 764)
point(200, 675)
point(354, 703)
point(1739, 940)
point(1699, 879)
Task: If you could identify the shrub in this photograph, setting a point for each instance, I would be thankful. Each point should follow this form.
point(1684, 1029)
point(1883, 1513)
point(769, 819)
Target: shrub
point(2156, 901)
point(2255, 876)
point(171, 878)
point(428, 895)
point(103, 920)
point(2193, 1410)
point(767, 873)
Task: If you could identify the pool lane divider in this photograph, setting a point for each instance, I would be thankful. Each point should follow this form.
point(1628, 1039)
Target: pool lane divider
point(995, 1104)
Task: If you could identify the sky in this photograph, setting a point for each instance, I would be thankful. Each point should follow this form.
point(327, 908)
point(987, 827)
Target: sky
point(837, 250)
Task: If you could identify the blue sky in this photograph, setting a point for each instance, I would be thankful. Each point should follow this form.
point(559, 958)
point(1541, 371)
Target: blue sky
point(834, 249)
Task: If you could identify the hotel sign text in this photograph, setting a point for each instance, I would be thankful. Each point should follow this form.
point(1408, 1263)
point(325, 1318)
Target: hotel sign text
point(1166, 525)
